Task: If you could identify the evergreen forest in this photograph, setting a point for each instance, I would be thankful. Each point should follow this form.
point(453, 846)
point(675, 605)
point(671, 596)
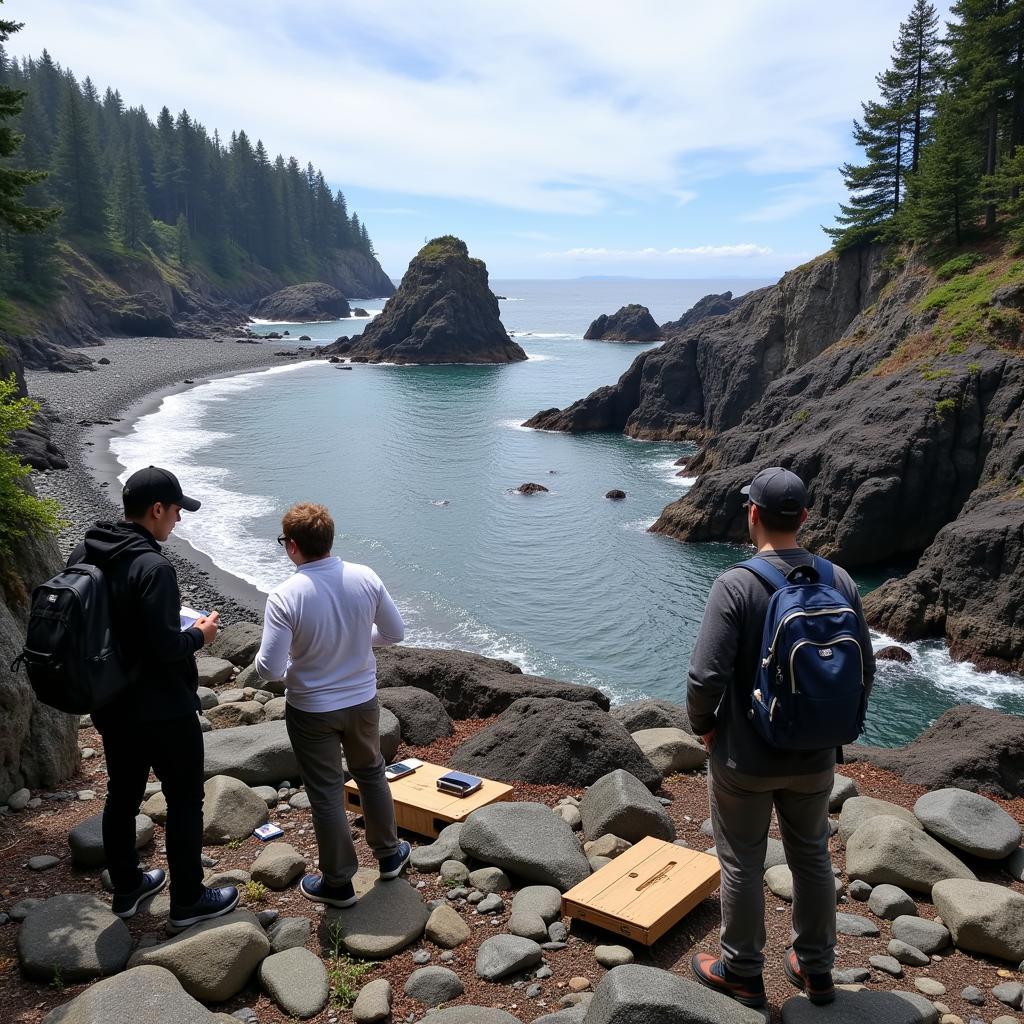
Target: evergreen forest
point(943, 160)
point(92, 172)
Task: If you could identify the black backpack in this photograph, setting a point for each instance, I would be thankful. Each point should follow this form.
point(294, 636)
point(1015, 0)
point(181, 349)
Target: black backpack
point(70, 653)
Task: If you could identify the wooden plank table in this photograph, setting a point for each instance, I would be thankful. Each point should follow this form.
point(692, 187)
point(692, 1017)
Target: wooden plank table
point(422, 808)
point(644, 891)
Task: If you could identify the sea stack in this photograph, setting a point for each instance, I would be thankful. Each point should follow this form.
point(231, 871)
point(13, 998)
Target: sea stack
point(443, 312)
point(303, 303)
point(630, 323)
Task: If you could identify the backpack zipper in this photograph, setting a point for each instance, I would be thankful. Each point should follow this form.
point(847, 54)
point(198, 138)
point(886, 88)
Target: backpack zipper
point(766, 661)
point(830, 643)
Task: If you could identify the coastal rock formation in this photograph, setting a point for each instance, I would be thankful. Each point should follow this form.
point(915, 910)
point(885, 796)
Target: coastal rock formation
point(443, 312)
point(710, 305)
point(629, 323)
point(300, 303)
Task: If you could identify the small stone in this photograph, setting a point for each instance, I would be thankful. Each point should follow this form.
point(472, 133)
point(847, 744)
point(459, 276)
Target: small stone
point(854, 924)
point(557, 932)
point(454, 871)
point(86, 794)
point(19, 799)
point(930, 987)
point(43, 863)
point(542, 972)
point(267, 917)
point(907, 954)
point(475, 897)
point(613, 956)
point(421, 956)
point(890, 901)
point(489, 880)
point(973, 995)
point(579, 984)
point(534, 991)
point(88, 753)
point(247, 1015)
point(445, 927)
point(888, 964)
point(491, 904)
point(859, 890)
point(1011, 993)
point(373, 1003)
point(851, 975)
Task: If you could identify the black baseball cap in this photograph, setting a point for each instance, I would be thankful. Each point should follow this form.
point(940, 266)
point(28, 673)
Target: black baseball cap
point(777, 490)
point(152, 484)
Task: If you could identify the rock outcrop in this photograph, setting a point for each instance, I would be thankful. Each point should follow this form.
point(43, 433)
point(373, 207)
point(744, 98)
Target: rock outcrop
point(443, 312)
point(710, 305)
point(301, 303)
point(629, 323)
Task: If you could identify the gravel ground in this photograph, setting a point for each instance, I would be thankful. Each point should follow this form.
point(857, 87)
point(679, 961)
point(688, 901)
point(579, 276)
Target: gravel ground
point(92, 406)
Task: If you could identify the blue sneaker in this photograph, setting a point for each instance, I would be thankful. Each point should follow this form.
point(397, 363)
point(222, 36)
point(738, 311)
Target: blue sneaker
point(314, 888)
point(391, 867)
point(126, 904)
point(213, 903)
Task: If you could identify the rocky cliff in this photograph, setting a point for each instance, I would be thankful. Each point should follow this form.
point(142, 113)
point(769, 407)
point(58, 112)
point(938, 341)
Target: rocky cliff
point(443, 312)
point(630, 323)
point(896, 391)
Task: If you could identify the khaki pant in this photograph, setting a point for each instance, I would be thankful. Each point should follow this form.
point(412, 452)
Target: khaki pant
point(741, 812)
point(318, 739)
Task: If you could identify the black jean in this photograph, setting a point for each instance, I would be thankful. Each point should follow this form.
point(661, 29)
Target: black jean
point(174, 751)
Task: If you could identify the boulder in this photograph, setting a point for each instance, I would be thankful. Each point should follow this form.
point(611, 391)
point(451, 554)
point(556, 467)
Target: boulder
point(856, 810)
point(982, 917)
point(862, 1007)
point(443, 312)
point(389, 916)
point(433, 986)
point(543, 900)
point(608, 846)
point(237, 643)
point(287, 933)
point(671, 750)
point(489, 880)
point(256, 754)
point(652, 714)
point(629, 323)
point(928, 936)
point(303, 303)
point(1015, 865)
point(856, 926)
point(887, 849)
point(142, 995)
point(86, 840)
point(231, 810)
point(445, 847)
point(278, 865)
point(633, 994)
point(548, 740)
point(501, 955)
point(213, 671)
point(213, 960)
point(527, 840)
point(390, 734)
point(207, 698)
point(890, 902)
point(297, 981)
point(446, 928)
point(843, 789)
point(230, 714)
point(373, 1004)
point(904, 953)
point(894, 653)
point(531, 488)
point(470, 685)
point(969, 822)
point(615, 494)
point(472, 1015)
point(274, 709)
point(619, 803)
point(528, 925)
point(421, 716)
point(70, 938)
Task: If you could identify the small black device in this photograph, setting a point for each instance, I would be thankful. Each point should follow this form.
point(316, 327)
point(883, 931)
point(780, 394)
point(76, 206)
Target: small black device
point(399, 770)
point(459, 783)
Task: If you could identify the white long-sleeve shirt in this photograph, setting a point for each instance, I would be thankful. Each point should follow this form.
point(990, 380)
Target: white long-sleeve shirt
point(319, 631)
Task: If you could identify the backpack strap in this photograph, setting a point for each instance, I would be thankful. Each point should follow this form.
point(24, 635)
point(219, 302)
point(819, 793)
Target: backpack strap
point(825, 570)
point(766, 572)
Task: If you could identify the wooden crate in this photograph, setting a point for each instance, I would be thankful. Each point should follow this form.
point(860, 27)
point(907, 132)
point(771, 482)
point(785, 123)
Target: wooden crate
point(644, 891)
point(422, 808)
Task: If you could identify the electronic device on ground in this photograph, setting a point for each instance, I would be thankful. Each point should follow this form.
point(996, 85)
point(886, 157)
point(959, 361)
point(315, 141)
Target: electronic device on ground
point(268, 832)
point(459, 783)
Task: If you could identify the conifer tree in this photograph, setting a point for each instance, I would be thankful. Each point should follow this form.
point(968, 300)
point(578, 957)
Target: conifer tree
point(76, 169)
point(130, 214)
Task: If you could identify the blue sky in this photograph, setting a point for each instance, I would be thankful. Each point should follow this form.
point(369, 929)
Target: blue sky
point(658, 138)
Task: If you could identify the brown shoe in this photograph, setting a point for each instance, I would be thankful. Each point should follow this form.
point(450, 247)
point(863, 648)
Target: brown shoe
point(715, 975)
point(820, 988)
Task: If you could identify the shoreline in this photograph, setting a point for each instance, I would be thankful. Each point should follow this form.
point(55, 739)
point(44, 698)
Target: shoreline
point(94, 407)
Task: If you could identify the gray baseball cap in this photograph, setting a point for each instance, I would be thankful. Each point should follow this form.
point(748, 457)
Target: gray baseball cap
point(777, 490)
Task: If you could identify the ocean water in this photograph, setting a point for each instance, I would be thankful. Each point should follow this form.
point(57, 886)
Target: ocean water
point(419, 465)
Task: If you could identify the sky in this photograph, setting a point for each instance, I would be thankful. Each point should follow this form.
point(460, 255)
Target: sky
point(655, 138)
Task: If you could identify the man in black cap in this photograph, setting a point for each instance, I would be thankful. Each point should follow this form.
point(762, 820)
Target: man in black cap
point(747, 777)
point(153, 723)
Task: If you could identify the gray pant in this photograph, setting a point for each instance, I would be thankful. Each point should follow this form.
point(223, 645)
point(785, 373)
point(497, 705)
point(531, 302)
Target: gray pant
point(318, 739)
point(741, 812)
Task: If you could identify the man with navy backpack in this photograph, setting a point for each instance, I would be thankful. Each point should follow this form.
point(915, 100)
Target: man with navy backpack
point(153, 723)
point(779, 678)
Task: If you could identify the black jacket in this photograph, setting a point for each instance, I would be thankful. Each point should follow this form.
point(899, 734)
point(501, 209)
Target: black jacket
point(144, 610)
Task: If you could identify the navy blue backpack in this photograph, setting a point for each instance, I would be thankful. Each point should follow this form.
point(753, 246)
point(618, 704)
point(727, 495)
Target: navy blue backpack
point(809, 688)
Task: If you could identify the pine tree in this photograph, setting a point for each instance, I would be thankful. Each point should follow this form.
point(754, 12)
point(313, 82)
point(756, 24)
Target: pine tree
point(76, 169)
point(130, 214)
point(920, 63)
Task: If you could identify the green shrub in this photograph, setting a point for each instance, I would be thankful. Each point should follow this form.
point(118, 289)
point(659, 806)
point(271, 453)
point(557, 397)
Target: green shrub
point(961, 264)
point(800, 417)
point(945, 407)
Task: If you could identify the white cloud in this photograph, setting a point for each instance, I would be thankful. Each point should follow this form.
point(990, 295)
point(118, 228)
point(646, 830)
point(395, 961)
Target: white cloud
point(825, 189)
point(744, 250)
point(554, 107)
point(395, 211)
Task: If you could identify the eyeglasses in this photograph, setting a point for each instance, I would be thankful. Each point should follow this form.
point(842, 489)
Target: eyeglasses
point(283, 539)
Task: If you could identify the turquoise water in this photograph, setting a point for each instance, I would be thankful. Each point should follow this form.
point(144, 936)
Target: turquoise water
point(419, 467)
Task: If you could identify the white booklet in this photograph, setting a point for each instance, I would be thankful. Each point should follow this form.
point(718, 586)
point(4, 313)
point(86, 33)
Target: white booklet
point(189, 616)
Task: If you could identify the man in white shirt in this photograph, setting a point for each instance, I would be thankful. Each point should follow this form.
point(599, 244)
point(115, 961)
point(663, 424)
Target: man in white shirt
point(319, 631)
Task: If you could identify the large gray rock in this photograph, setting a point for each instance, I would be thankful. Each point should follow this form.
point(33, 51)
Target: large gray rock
point(278, 865)
point(287, 933)
point(969, 822)
point(434, 985)
point(527, 840)
point(213, 960)
point(1015, 865)
point(446, 928)
point(856, 810)
point(629, 323)
point(543, 900)
point(231, 810)
point(886, 849)
point(501, 955)
point(472, 1015)
point(862, 1007)
point(142, 995)
point(470, 685)
point(890, 902)
point(445, 847)
point(671, 750)
point(72, 937)
point(632, 994)
point(373, 1003)
point(652, 714)
point(548, 740)
point(213, 671)
point(619, 803)
point(86, 840)
point(982, 917)
point(237, 643)
point(297, 981)
point(420, 714)
point(928, 936)
point(385, 920)
point(256, 754)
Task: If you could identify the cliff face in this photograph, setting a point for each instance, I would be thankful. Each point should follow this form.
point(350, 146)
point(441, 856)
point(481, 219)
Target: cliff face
point(443, 312)
point(897, 395)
